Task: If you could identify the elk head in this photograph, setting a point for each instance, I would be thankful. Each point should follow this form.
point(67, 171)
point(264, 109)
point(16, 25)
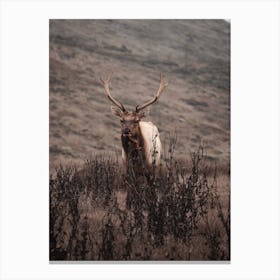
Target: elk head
point(130, 119)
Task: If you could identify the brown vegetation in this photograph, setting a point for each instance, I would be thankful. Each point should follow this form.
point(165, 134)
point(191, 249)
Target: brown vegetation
point(99, 213)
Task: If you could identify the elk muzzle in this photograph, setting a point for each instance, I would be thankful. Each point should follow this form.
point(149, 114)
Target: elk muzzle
point(126, 131)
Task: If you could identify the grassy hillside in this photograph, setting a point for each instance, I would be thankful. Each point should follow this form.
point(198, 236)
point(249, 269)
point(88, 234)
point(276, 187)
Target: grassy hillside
point(194, 55)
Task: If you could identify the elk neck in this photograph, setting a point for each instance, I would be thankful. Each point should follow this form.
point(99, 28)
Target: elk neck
point(133, 145)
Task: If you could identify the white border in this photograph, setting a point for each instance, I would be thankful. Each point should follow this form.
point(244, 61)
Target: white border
point(255, 138)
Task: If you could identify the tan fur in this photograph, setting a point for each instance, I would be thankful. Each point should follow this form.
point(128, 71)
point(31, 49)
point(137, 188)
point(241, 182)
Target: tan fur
point(152, 144)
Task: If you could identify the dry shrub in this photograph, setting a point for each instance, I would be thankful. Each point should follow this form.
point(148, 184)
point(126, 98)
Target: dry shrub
point(175, 212)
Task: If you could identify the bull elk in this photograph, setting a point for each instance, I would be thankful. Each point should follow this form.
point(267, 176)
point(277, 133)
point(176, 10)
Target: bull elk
point(141, 146)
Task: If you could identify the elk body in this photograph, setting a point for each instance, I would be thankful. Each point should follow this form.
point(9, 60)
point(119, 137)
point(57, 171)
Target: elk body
point(141, 146)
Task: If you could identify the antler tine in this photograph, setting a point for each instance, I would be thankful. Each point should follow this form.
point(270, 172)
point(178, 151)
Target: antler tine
point(105, 83)
point(163, 84)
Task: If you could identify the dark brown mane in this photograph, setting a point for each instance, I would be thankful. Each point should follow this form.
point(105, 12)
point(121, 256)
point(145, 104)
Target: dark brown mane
point(134, 149)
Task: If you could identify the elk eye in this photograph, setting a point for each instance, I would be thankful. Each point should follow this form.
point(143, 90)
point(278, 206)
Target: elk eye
point(122, 121)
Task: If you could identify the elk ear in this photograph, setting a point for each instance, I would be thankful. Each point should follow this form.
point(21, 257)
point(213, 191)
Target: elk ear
point(144, 114)
point(116, 111)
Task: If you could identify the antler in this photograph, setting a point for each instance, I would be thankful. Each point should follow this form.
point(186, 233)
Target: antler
point(107, 92)
point(163, 84)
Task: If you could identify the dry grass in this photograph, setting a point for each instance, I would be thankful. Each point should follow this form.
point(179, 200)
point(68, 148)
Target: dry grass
point(100, 213)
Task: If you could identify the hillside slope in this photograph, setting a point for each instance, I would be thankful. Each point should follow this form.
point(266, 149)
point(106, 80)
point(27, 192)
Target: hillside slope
point(194, 55)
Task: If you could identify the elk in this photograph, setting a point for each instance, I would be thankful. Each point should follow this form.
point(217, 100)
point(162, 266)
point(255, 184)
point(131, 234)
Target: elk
point(141, 146)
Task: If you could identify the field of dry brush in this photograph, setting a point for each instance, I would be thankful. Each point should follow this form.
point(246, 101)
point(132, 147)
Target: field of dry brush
point(101, 213)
